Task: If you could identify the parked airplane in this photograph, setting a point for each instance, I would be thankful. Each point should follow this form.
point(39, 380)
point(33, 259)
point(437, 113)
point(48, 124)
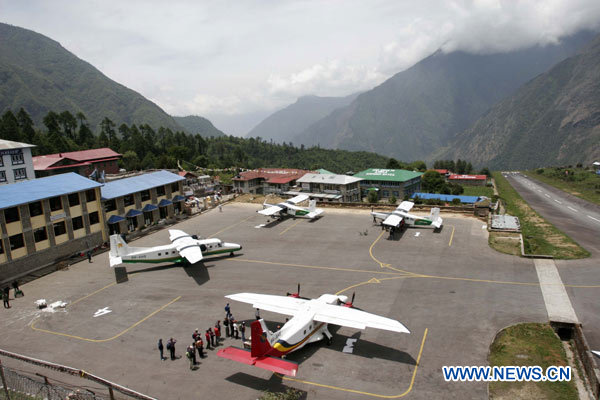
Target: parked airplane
point(307, 325)
point(290, 207)
point(182, 247)
point(401, 216)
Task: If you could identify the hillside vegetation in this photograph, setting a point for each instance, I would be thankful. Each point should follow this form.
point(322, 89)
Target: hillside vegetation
point(580, 182)
point(195, 124)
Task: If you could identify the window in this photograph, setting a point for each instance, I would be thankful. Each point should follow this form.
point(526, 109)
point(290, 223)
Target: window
point(40, 234)
point(55, 204)
point(18, 159)
point(60, 228)
point(145, 195)
point(20, 173)
point(1, 160)
point(11, 214)
point(385, 193)
point(16, 241)
point(396, 193)
point(94, 218)
point(77, 223)
point(110, 205)
point(2, 175)
point(160, 191)
point(73, 199)
point(174, 187)
point(90, 195)
point(128, 200)
point(35, 208)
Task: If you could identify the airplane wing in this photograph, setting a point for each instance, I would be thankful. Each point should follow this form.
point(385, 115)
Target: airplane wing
point(278, 304)
point(297, 199)
point(353, 318)
point(187, 246)
point(405, 206)
point(380, 215)
point(393, 220)
point(270, 210)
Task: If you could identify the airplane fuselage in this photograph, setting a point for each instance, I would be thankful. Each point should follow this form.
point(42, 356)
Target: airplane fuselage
point(169, 253)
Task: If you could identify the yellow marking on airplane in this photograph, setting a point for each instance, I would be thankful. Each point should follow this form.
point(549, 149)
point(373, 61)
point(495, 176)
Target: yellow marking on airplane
point(229, 227)
point(381, 396)
point(290, 227)
point(108, 339)
point(451, 236)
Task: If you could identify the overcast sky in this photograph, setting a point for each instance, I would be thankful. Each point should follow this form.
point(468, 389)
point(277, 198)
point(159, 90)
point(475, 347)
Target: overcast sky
point(237, 61)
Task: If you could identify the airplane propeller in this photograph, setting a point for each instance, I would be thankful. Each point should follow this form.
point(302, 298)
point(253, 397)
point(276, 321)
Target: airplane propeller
point(297, 294)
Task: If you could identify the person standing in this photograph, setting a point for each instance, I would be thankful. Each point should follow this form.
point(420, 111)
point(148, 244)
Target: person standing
point(257, 314)
point(171, 347)
point(89, 256)
point(236, 329)
point(188, 354)
point(5, 293)
point(195, 335)
point(192, 350)
point(217, 333)
point(228, 310)
point(212, 337)
point(226, 325)
point(15, 286)
point(161, 348)
point(243, 331)
point(207, 336)
point(200, 347)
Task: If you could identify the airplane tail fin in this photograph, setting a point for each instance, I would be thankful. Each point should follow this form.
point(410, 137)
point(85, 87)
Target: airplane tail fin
point(260, 338)
point(312, 205)
point(435, 217)
point(118, 248)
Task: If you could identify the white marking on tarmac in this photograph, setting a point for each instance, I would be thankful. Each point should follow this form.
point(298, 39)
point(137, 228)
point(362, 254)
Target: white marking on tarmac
point(571, 208)
point(417, 234)
point(557, 301)
point(349, 347)
point(595, 219)
point(547, 195)
point(539, 190)
point(559, 202)
point(102, 311)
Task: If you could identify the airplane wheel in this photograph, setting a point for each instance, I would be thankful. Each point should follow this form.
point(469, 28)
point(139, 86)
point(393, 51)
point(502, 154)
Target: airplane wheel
point(231, 254)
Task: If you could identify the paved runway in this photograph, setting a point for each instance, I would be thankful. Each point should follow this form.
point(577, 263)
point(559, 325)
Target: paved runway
point(449, 288)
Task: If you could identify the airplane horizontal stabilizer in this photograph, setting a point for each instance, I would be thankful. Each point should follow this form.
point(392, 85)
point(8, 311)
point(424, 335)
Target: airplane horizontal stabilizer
point(115, 260)
point(437, 223)
point(269, 363)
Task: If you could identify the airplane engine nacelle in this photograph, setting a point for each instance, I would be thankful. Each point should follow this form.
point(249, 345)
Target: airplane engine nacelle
point(343, 299)
point(332, 298)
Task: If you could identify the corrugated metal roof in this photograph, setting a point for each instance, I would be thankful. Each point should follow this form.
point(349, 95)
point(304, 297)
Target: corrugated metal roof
point(32, 190)
point(394, 175)
point(9, 144)
point(446, 197)
point(332, 179)
point(45, 161)
point(138, 183)
point(468, 177)
point(323, 171)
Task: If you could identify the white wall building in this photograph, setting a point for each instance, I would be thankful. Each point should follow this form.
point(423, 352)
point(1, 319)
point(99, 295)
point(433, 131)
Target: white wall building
point(16, 163)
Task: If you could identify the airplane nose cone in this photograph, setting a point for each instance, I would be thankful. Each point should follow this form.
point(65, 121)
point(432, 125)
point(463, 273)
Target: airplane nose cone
point(241, 247)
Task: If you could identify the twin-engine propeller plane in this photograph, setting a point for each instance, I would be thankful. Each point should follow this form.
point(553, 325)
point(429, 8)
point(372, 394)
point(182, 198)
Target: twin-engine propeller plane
point(307, 325)
point(183, 247)
point(291, 207)
point(401, 216)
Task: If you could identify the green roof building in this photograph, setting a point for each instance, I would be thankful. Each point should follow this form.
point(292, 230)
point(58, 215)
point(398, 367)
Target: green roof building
point(390, 182)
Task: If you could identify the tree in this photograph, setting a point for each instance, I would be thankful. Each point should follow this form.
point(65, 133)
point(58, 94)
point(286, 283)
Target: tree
point(456, 189)
point(25, 125)
point(418, 165)
point(69, 124)
point(485, 171)
point(394, 164)
point(131, 160)
point(372, 197)
point(9, 127)
point(432, 182)
point(108, 129)
point(393, 199)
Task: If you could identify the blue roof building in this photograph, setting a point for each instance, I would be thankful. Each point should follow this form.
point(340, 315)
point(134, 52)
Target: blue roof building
point(446, 197)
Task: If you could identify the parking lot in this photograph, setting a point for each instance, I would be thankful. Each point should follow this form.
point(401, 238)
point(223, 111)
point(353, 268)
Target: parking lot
point(448, 288)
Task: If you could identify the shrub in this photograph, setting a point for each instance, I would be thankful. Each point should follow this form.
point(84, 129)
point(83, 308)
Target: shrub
point(393, 199)
point(456, 202)
point(539, 171)
point(372, 197)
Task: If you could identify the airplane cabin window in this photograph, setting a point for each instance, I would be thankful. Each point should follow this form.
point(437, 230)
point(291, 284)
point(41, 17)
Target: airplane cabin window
point(159, 254)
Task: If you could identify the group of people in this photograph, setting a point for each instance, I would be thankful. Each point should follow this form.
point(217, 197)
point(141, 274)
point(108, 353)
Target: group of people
point(212, 337)
point(6, 293)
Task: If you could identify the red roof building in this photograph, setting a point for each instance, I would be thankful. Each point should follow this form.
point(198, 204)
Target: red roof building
point(442, 171)
point(267, 180)
point(473, 180)
point(81, 162)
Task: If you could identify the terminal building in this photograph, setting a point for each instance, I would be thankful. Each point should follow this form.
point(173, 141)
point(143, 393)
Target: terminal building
point(134, 203)
point(330, 187)
point(46, 219)
point(16, 162)
point(267, 180)
point(390, 182)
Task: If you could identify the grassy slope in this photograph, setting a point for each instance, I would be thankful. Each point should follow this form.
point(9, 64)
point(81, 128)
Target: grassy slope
point(585, 184)
point(540, 236)
point(528, 345)
point(478, 191)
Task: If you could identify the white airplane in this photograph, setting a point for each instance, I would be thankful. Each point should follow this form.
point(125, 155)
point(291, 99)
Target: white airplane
point(182, 247)
point(290, 207)
point(307, 325)
point(401, 216)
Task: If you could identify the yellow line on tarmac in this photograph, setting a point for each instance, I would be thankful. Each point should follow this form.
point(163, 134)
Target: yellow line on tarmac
point(313, 266)
point(451, 236)
point(229, 227)
point(91, 294)
point(381, 396)
point(290, 227)
point(382, 264)
point(111, 338)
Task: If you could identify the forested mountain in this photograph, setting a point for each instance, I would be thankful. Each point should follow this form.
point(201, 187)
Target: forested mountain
point(195, 124)
point(285, 124)
point(553, 119)
point(38, 74)
point(417, 111)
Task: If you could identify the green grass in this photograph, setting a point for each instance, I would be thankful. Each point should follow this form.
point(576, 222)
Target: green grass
point(16, 395)
point(478, 191)
point(530, 344)
point(540, 236)
point(579, 182)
